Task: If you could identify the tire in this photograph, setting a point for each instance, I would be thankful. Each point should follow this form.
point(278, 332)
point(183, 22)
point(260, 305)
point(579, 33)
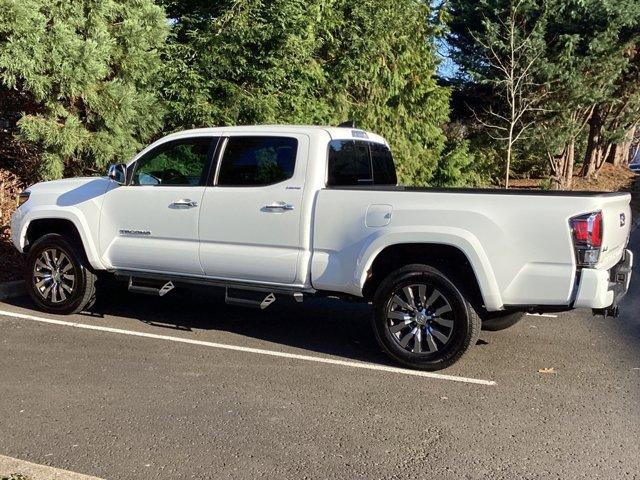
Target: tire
point(58, 277)
point(430, 332)
point(496, 321)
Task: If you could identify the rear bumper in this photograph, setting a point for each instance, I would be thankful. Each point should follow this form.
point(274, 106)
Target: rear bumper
point(600, 289)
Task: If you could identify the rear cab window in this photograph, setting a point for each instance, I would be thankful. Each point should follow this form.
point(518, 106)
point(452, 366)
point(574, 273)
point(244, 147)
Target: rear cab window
point(359, 163)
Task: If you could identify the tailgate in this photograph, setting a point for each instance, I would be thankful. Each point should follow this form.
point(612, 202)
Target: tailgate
point(616, 222)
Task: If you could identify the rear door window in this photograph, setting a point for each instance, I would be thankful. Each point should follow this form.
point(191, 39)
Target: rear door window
point(257, 161)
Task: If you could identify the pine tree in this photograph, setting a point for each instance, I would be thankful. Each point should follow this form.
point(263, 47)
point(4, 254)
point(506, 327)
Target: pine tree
point(90, 68)
point(585, 68)
point(292, 61)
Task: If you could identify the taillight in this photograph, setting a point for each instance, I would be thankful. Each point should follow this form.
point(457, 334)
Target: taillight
point(587, 238)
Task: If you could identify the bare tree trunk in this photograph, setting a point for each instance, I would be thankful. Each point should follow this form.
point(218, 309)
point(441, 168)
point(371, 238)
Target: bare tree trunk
point(605, 153)
point(565, 161)
point(509, 150)
point(616, 156)
point(568, 171)
point(621, 152)
point(593, 154)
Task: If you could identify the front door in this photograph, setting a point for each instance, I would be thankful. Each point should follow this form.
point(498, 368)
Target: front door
point(151, 223)
point(250, 228)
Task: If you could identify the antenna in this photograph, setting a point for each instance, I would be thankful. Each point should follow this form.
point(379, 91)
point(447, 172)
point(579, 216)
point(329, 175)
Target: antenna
point(347, 124)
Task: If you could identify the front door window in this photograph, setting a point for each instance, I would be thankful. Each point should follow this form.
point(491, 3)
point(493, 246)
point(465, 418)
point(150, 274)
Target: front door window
point(176, 163)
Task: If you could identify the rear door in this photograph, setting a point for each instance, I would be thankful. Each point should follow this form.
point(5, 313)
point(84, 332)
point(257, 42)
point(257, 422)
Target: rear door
point(151, 224)
point(250, 220)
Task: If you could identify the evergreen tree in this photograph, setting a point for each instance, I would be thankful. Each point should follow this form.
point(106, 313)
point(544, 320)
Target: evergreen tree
point(584, 69)
point(89, 68)
point(291, 61)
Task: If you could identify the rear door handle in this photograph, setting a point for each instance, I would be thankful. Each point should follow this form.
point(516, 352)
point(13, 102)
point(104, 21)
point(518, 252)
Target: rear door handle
point(184, 203)
point(279, 206)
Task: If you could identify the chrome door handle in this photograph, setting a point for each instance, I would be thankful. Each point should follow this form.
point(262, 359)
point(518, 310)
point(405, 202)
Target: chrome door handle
point(184, 203)
point(279, 206)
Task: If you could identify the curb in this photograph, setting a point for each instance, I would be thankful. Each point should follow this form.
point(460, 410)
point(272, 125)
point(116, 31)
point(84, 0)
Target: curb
point(12, 289)
point(34, 471)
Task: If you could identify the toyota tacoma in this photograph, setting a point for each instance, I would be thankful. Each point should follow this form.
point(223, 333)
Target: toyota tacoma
point(272, 211)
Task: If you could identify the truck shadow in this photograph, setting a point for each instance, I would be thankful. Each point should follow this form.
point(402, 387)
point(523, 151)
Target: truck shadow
point(321, 325)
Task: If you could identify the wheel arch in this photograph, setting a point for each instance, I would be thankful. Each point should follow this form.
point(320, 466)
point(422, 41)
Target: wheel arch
point(68, 225)
point(469, 266)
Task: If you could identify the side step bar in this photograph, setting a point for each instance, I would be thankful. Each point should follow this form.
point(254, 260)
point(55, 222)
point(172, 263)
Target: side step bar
point(151, 289)
point(248, 298)
point(140, 276)
point(256, 296)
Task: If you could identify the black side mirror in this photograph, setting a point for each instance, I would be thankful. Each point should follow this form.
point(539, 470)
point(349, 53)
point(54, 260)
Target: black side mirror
point(118, 173)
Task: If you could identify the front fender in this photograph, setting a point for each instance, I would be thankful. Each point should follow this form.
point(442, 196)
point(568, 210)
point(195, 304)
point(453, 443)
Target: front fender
point(450, 236)
point(22, 219)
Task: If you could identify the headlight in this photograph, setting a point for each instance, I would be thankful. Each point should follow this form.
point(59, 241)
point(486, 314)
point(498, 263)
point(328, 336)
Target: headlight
point(22, 197)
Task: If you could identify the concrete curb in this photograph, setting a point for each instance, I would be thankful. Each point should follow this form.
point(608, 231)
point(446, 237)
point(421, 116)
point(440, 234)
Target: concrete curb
point(12, 289)
point(34, 471)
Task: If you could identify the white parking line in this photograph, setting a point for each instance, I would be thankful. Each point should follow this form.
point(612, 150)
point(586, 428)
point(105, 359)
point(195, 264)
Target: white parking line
point(259, 351)
point(549, 315)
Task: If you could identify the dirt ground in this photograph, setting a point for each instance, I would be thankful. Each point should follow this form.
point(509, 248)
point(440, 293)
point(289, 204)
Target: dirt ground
point(609, 179)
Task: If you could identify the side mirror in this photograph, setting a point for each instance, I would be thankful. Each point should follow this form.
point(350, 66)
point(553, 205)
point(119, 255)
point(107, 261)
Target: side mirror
point(118, 173)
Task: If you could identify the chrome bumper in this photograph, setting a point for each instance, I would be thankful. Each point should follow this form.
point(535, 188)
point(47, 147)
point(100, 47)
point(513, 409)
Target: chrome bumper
point(602, 290)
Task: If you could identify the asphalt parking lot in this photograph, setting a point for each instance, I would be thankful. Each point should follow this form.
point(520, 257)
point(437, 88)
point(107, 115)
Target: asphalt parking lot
point(187, 387)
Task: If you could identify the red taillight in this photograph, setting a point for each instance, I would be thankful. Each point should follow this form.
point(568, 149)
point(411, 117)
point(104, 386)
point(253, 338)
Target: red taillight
point(596, 232)
point(587, 229)
point(579, 226)
point(587, 237)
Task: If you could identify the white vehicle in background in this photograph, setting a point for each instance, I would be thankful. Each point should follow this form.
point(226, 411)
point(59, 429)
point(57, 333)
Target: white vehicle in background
point(267, 211)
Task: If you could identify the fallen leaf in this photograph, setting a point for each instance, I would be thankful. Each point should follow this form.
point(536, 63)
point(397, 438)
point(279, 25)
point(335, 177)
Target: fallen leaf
point(546, 370)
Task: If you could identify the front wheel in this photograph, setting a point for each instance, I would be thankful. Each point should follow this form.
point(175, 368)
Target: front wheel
point(422, 319)
point(58, 277)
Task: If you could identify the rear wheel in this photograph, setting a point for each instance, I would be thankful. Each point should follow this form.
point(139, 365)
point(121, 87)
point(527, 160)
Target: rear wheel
point(422, 319)
point(57, 275)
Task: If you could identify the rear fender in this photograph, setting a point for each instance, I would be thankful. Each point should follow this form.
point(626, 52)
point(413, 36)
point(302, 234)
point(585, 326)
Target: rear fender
point(454, 237)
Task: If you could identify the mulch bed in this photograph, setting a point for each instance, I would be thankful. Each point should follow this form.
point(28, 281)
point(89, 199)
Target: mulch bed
point(11, 262)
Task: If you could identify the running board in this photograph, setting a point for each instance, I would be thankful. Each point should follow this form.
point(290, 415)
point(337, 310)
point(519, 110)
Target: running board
point(150, 289)
point(296, 290)
point(248, 298)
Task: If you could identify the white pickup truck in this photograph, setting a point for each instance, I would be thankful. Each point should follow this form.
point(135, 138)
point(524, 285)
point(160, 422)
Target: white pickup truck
point(268, 211)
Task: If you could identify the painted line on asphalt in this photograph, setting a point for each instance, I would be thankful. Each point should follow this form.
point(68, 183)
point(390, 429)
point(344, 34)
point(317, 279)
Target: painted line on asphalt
point(259, 351)
point(549, 315)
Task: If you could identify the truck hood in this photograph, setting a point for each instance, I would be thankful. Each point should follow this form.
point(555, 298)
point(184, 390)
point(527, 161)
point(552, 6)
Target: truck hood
point(68, 191)
point(63, 185)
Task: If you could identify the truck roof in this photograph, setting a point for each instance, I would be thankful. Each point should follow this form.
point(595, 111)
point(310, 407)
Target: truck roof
point(336, 133)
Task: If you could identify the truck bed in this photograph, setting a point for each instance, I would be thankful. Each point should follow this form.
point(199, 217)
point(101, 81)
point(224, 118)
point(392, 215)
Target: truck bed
point(518, 242)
